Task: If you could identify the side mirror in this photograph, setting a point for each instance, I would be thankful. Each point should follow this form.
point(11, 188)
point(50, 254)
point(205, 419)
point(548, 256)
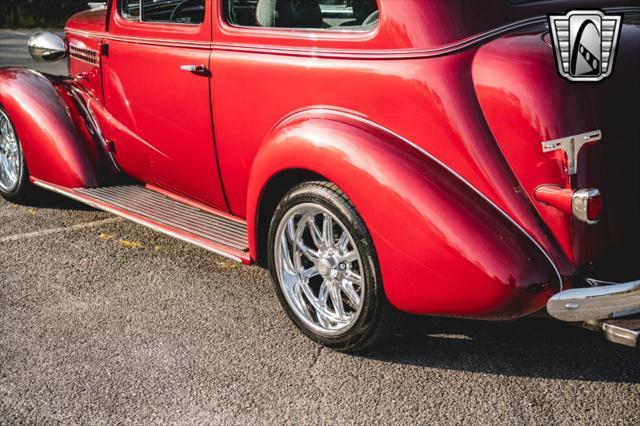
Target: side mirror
point(47, 47)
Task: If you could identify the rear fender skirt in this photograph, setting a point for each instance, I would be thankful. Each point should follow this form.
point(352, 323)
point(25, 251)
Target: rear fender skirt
point(59, 144)
point(443, 248)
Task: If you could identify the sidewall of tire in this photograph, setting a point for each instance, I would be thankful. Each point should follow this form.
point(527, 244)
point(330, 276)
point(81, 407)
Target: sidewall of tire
point(23, 179)
point(325, 194)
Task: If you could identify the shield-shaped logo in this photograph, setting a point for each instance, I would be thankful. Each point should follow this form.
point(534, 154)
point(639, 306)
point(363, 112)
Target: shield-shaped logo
point(585, 43)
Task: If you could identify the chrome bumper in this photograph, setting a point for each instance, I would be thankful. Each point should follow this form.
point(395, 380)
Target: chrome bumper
point(600, 308)
point(596, 303)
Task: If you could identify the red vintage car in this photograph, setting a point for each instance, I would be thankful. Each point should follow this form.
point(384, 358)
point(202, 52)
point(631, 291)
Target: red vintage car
point(377, 156)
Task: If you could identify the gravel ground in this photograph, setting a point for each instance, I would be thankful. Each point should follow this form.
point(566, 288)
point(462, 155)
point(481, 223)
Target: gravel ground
point(103, 321)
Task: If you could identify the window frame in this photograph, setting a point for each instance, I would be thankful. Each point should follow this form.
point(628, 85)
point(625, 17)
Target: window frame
point(121, 15)
point(307, 33)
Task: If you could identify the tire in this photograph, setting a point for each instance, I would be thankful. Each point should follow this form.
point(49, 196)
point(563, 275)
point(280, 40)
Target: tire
point(328, 302)
point(15, 186)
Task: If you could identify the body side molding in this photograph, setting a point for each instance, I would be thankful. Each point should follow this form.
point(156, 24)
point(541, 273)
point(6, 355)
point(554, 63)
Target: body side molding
point(414, 53)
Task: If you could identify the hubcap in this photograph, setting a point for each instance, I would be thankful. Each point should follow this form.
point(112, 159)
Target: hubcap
point(10, 160)
point(319, 269)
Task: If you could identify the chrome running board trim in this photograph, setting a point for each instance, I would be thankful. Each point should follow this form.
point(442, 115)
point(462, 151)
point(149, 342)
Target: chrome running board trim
point(159, 208)
point(216, 233)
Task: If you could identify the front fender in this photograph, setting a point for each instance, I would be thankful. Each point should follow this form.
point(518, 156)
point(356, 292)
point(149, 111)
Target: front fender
point(443, 249)
point(55, 145)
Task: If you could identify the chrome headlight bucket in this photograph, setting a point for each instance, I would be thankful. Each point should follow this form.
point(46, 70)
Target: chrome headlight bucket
point(48, 47)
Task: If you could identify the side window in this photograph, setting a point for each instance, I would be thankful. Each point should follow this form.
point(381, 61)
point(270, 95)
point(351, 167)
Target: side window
point(348, 15)
point(130, 9)
point(168, 11)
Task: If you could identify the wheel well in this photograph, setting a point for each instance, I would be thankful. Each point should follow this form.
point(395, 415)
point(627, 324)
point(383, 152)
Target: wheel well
point(272, 193)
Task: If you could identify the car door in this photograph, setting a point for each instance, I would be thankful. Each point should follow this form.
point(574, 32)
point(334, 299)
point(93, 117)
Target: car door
point(157, 89)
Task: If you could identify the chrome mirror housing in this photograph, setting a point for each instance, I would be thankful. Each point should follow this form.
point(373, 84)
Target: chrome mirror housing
point(47, 47)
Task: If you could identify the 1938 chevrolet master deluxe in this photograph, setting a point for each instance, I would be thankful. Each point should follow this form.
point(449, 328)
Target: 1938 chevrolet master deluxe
point(378, 156)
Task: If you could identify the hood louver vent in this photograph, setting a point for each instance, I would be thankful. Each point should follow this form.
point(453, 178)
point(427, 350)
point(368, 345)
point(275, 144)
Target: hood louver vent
point(85, 55)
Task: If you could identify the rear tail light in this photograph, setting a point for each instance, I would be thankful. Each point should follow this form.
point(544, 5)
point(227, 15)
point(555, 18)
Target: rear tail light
point(584, 204)
point(587, 205)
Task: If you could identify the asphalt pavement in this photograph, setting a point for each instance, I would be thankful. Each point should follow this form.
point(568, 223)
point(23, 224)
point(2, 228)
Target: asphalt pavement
point(14, 52)
point(103, 321)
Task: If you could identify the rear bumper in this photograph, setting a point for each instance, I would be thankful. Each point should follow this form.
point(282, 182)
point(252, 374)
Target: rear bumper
point(596, 303)
point(602, 308)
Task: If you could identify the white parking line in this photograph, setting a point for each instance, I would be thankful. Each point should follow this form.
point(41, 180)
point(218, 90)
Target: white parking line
point(45, 232)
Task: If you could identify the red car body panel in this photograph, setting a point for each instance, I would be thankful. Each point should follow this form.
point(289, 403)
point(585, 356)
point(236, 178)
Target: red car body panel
point(54, 140)
point(520, 119)
point(162, 126)
point(471, 260)
point(509, 74)
point(431, 124)
point(435, 108)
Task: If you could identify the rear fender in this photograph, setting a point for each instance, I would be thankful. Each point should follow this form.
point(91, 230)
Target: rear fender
point(443, 249)
point(58, 144)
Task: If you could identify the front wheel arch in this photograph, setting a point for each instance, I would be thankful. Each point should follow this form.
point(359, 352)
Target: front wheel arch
point(50, 128)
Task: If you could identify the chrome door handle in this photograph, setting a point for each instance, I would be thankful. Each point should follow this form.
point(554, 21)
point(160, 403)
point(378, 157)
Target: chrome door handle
point(195, 69)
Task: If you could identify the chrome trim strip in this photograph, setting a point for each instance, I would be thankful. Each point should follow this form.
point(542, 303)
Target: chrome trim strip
point(442, 50)
point(596, 303)
point(580, 204)
point(439, 162)
point(77, 58)
point(91, 118)
point(171, 213)
point(148, 224)
point(87, 56)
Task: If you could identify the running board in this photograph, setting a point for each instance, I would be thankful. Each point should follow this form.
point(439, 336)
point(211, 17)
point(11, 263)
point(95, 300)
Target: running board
point(218, 233)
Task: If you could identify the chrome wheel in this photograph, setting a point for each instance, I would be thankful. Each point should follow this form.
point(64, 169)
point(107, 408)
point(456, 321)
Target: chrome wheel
point(319, 269)
point(10, 155)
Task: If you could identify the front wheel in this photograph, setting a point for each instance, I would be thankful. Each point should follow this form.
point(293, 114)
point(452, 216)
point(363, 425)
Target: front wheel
point(325, 269)
point(14, 176)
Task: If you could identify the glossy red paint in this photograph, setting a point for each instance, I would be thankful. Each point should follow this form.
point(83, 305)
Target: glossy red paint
point(563, 199)
point(89, 20)
point(509, 75)
point(446, 251)
point(162, 126)
point(431, 124)
point(434, 106)
point(52, 137)
point(556, 196)
point(86, 52)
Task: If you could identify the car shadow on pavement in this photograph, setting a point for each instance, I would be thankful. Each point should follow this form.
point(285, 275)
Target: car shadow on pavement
point(43, 199)
point(532, 347)
point(536, 347)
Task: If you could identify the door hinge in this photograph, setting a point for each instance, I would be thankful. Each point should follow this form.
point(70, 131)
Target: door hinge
point(104, 49)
